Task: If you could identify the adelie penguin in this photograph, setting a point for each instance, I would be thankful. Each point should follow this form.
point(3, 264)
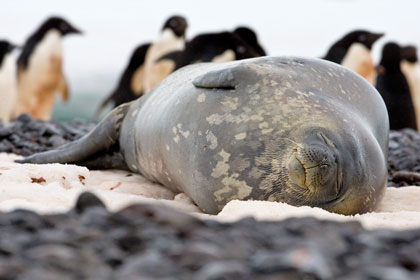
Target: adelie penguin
point(354, 52)
point(394, 88)
point(40, 74)
point(218, 47)
point(7, 80)
point(411, 69)
point(172, 38)
point(130, 85)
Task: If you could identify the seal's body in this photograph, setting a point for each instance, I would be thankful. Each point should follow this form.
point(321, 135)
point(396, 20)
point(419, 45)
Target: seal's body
point(301, 131)
point(40, 74)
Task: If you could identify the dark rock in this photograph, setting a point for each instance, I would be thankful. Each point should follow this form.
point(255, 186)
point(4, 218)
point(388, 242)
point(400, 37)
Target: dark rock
point(150, 264)
point(304, 260)
point(6, 146)
point(87, 200)
point(223, 270)
point(50, 129)
point(56, 141)
point(5, 130)
point(160, 214)
point(24, 118)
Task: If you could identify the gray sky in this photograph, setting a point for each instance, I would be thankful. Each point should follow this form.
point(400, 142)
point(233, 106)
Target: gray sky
point(94, 61)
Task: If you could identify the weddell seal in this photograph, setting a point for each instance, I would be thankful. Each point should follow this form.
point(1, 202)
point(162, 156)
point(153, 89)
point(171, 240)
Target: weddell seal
point(300, 131)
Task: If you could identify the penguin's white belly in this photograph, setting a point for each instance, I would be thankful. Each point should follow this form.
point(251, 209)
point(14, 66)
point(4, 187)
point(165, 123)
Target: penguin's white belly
point(226, 56)
point(359, 59)
point(45, 63)
point(156, 72)
point(7, 88)
point(411, 72)
point(39, 82)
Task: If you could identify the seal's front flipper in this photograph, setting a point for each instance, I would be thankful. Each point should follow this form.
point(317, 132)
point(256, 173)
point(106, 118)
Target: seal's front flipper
point(100, 139)
point(227, 78)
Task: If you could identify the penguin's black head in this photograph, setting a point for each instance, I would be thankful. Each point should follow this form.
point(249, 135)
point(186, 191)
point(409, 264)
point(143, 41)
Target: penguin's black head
point(391, 58)
point(250, 37)
point(409, 53)
point(5, 48)
point(60, 24)
point(246, 34)
point(363, 37)
point(177, 24)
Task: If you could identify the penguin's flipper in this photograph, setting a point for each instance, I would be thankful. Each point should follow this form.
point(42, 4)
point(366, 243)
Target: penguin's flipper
point(227, 78)
point(335, 54)
point(63, 88)
point(98, 143)
point(175, 55)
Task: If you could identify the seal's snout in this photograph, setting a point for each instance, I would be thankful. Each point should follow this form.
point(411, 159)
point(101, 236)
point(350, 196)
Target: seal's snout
point(313, 168)
point(297, 171)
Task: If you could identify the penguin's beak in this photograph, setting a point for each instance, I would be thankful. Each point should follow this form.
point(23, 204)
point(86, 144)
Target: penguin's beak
point(375, 36)
point(13, 46)
point(409, 53)
point(73, 30)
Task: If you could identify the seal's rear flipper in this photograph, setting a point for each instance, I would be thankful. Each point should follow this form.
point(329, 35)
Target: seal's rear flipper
point(99, 140)
point(228, 78)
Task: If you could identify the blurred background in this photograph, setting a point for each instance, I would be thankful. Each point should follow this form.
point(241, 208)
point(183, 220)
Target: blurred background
point(94, 62)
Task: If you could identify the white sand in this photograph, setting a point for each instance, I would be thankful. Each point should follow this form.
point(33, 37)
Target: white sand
point(54, 188)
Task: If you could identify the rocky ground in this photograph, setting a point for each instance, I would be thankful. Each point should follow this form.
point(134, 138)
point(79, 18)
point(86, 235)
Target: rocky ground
point(26, 136)
point(146, 242)
point(404, 158)
point(150, 242)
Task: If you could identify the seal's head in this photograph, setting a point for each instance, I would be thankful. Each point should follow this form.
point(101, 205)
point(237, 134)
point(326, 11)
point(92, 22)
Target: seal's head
point(335, 170)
